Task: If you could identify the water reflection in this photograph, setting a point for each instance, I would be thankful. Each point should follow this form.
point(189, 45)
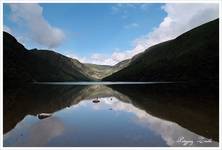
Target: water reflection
point(142, 116)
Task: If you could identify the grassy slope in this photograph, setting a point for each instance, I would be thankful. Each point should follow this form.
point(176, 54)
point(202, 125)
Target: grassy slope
point(193, 56)
point(100, 71)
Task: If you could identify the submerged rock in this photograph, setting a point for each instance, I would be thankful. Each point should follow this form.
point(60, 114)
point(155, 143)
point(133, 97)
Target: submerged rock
point(96, 101)
point(44, 115)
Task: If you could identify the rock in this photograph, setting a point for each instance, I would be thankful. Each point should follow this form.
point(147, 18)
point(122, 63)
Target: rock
point(96, 101)
point(44, 115)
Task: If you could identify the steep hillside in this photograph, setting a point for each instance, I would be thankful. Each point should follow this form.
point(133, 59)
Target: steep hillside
point(25, 66)
point(22, 66)
point(14, 72)
point(193, 56)
point(52, 66)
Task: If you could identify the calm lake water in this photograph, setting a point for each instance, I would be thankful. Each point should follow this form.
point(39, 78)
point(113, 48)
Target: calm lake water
point(97, 114)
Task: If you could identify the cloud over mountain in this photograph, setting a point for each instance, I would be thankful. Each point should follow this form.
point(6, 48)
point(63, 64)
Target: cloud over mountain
point(176, 22)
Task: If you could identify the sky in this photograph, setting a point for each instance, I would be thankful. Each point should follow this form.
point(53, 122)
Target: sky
point(102, 33)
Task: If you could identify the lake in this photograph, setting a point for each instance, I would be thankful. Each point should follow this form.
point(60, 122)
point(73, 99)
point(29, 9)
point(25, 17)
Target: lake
point(111, 115)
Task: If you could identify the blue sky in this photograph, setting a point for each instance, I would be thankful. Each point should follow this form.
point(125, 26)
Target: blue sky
point(97, 33)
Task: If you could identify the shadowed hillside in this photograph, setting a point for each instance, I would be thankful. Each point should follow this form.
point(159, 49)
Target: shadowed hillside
point(193, 56)
point(23, 66)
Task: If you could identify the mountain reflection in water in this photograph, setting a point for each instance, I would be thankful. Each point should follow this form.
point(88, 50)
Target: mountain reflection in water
point(125, 115)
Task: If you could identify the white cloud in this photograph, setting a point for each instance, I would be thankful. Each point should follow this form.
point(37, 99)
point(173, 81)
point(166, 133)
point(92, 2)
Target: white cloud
point(179, 19)
point(95, 58)
point(30, 16)
point(118, 56)
point(100, 59)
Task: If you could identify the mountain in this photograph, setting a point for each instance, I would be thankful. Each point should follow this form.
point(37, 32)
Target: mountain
point(14, 71)
point(23, 66)
point(101, 71)
point(192, 56)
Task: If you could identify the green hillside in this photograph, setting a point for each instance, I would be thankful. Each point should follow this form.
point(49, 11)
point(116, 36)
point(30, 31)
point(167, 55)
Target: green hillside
point(100, 71)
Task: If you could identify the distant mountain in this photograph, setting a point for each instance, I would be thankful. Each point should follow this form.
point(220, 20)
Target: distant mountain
point(193, 56)
point(100, 71)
